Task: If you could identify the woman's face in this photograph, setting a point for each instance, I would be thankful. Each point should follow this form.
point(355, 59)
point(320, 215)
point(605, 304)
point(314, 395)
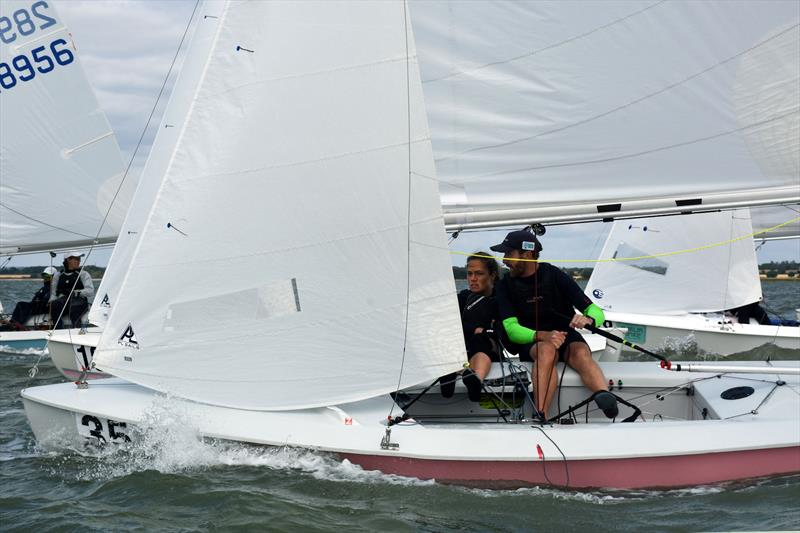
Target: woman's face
point(478, 278)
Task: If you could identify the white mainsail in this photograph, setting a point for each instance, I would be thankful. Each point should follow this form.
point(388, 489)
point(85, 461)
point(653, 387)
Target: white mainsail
point(294, 254)
point(703, 279)
point(565, 111)
point(60, 165)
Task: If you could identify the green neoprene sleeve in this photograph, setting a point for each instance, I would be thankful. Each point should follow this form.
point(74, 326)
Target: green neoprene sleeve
point(518, 334)
point(594, 312)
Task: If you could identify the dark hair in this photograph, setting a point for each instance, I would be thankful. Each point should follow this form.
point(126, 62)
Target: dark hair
point(488, 261)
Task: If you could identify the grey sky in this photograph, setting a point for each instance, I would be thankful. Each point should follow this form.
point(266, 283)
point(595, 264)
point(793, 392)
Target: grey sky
point(126, 48)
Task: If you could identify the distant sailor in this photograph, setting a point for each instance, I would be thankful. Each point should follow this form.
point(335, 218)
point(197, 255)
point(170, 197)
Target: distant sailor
point(38, 305)
point(535, 300)
point(63, 282)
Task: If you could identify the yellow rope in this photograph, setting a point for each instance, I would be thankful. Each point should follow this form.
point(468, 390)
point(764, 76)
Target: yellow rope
point(639, 258)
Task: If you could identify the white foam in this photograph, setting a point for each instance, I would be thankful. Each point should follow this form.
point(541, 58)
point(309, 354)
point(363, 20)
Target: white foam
point(171, 443)
point(6, 349)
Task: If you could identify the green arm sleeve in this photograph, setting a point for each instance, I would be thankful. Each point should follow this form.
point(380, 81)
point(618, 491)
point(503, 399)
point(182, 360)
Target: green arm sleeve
point(594, 312)
point(518, 334)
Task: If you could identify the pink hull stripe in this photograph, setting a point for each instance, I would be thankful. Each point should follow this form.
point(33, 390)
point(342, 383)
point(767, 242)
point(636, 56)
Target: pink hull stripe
point(633, 473)
point(74, 374)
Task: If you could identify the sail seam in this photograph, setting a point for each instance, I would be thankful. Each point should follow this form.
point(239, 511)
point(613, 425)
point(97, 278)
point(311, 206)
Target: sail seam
point(546, 48)
point(644, 152)
point(621, 107)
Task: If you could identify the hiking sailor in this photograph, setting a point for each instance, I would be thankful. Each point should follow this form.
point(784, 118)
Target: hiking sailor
point(535, 301)
point(478, 314)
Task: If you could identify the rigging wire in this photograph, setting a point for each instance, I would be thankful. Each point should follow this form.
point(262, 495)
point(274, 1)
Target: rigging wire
point(408, 209)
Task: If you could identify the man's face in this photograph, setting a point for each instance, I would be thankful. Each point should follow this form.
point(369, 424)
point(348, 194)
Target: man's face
point(73, 263)
point(515, 268)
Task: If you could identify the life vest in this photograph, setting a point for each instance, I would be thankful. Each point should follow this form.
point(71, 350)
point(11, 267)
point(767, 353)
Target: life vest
point(66, 280)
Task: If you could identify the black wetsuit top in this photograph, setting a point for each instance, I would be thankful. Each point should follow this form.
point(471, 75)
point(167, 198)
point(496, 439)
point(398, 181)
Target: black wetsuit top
point(537, 300)
point(477, 311)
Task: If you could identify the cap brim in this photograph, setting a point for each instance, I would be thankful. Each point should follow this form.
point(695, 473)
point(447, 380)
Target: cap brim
point(503, 248)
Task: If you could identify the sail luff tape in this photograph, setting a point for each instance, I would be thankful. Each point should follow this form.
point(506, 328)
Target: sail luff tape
point(68, 152)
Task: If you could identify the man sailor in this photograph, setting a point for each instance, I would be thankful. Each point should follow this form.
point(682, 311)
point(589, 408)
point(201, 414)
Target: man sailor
point(39, 304)
point(63, 282)
point(536, 301)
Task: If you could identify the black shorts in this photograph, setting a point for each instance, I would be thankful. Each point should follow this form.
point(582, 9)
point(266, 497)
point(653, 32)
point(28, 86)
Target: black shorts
point(572, 336)
point(483, 342)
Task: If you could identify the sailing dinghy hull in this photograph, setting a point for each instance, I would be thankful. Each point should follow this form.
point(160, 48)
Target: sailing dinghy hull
point(754, 436)
point(23, 342)
point(708, 333)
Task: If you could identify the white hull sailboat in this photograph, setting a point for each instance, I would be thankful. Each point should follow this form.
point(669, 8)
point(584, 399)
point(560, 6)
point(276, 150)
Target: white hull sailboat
point(669, 280)
point(688, 433)
point(301, 207)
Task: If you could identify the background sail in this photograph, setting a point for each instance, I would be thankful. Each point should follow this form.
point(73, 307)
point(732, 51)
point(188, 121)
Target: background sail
point(60, 164)
point(713, 279)
point(560, 111)
point(158, 160)
point(276, 266)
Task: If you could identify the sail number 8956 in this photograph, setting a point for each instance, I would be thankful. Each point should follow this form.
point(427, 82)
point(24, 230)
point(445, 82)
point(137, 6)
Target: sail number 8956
point(24, 68)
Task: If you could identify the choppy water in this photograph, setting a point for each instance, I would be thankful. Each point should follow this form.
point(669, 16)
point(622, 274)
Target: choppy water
point(180, 483)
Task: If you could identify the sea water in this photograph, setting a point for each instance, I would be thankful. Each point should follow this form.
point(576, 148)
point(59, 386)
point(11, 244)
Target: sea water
point(178, 482)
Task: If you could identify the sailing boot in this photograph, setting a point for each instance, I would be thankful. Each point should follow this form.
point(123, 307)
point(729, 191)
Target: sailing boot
point(473, 385)
point(447, 385)
point(607, 403)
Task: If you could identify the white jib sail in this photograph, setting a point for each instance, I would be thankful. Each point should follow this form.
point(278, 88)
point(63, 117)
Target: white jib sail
point(702, 280)
point(158, 160)
point(60, 164)
point(276, 269)
point(559, 111)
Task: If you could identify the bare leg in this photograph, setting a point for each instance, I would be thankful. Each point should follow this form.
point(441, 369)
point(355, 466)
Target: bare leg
point(580, 358)
point(543, 375)
point(480, 363)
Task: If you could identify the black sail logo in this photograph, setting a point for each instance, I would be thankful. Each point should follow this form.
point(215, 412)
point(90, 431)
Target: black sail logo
point(106, 302)
point(128, 338)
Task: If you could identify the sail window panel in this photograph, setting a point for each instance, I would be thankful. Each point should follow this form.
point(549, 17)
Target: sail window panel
point(259, 303)
point(649, 264)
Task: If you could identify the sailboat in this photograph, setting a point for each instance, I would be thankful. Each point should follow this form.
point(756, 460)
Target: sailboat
point(61, 165)
point(302, 208)
point(692, 269)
